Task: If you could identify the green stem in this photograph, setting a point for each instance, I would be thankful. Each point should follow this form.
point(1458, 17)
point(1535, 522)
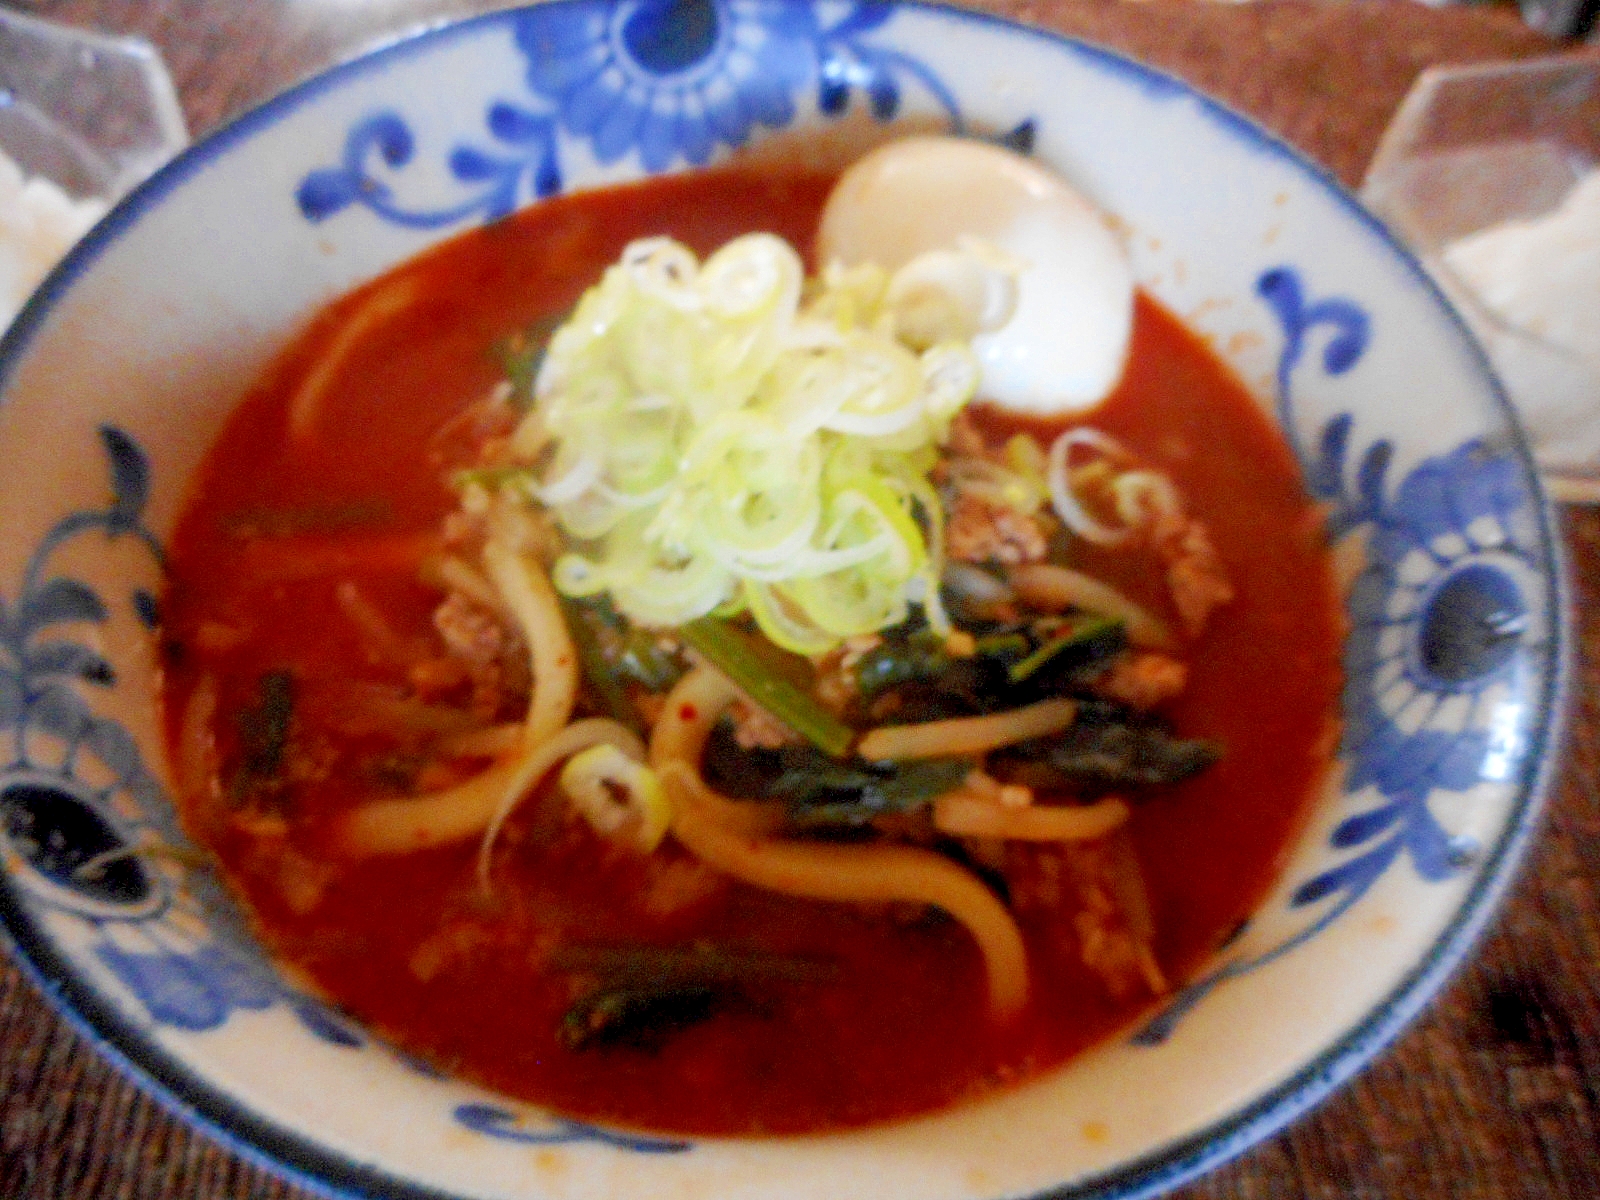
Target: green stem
point(609, 690)
point(731, 653)
point(1082, 634)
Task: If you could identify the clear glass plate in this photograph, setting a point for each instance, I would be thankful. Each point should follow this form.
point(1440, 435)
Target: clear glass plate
point(91, 113)
point(1480, 147)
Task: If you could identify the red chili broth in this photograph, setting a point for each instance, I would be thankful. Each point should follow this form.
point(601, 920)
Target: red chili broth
point(901, 1028)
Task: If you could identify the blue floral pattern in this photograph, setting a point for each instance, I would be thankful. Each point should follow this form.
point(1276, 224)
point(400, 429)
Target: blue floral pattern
point(99, 854)
point(504, 1125)
point(1439, 616)
point(667, 80)
point(91, 851)
point(1447, 613)
point(1442, 643)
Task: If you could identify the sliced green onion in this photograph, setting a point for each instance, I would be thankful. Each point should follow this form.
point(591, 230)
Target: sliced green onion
point(1002, 645)
point(620, 798)
point(714, 444)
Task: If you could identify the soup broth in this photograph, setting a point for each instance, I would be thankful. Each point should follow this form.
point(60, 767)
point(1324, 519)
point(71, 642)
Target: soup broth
point(301, 623)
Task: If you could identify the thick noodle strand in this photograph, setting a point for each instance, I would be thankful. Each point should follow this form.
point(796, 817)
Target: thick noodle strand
point(959, 737)
point(468, 809)
point(536, 763)
point(679, 738)
point(963, 814)
point(526, 590)
point(421, 822)
point(862, 875)
point(1053, 588)
point(858, 874)
point(388, 301)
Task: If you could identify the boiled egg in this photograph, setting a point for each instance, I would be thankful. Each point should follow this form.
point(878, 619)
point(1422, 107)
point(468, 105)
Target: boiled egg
point(969, 217)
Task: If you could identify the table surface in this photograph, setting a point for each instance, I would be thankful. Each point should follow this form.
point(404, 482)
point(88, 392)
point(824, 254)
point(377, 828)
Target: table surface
point(1493, 1094)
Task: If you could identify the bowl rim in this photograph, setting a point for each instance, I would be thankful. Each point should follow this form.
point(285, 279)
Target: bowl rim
point(301, 1159)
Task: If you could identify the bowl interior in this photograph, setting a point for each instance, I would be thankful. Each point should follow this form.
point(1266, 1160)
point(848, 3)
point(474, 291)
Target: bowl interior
point(118, 375)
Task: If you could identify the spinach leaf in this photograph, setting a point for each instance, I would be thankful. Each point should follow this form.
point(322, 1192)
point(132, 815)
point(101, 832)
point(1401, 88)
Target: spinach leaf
point(912, 676)
point(264, 734)
point(522, 354)
point(822, 792)
point(638, 1016)
point(647, 994)
point(1106, 749)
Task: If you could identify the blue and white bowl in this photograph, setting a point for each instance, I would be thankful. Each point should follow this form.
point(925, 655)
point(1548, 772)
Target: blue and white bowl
point(120, 372)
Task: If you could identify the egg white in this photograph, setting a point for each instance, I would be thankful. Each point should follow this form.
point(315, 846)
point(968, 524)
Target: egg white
point(1066, 343)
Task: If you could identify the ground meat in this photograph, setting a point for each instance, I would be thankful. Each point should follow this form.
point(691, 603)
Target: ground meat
point(462, 528)
point(1105, 944)
point(1035, 878)
point(1196, 578)
point(302, 880)
point(437, 676)
point(1113, 918)
point(481, 643)
point(473, 634)
point(836, 686)
point(448, 945)
point(1142, 679)
point(1085, 881)
point(966, 439)
point(650, 705)
point(754, 728)
point(980, 532)
point(675, 886)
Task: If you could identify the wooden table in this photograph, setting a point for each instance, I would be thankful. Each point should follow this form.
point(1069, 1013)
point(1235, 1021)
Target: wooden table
point(1493, 1094)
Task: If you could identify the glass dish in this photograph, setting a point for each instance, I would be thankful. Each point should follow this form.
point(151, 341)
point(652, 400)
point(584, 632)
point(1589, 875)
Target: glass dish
point(83, 117)
point(1502, 147)
point(93, 114)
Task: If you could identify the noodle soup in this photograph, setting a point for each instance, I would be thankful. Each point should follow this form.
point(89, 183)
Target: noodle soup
point(764, 887)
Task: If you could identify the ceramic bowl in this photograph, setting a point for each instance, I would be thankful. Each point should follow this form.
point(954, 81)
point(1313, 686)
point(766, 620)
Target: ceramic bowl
point(119, 373)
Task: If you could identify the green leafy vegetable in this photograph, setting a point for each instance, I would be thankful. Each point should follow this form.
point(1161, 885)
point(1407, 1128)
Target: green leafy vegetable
point(823, 792)
point(489, 477)
point(1085, 642)
point(642, 660)
point(699, 963)
point(614, 653)
point(264, 733)
point(902, 660)
point(522, 354)
point(639, 1016)
point(646, 994)
point(737, 657)
point(912, 676)
point(1105, 749)
point(597, 670)
point(922, 657)
point(335, 516)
